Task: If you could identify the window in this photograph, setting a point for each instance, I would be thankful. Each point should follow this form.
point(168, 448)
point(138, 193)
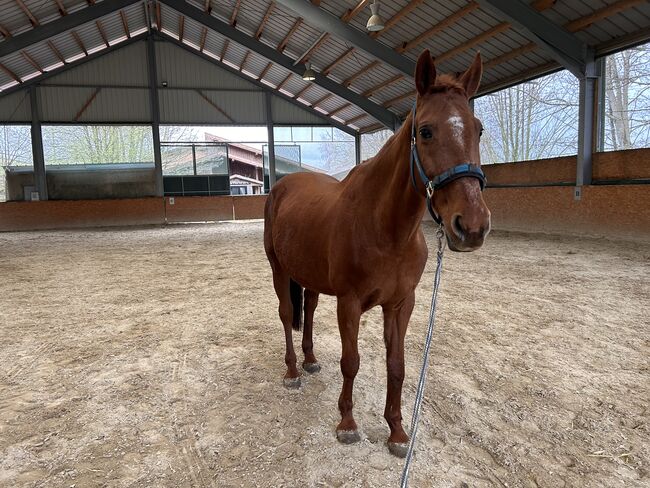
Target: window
point(318, 149)
point(15, 154)
point(627, 99)
point(373, 142)
point(66, 145)
point(533, 120)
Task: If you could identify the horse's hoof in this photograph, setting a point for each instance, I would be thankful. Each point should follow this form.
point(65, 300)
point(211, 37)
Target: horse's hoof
point(398, 449)
point(291, 383)
point(348, 436)
point(311, 368)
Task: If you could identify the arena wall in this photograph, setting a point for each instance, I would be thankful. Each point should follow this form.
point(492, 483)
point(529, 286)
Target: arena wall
point(533, 196)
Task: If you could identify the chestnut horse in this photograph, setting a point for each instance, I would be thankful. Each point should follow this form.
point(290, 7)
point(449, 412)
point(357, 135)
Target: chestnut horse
point(360, 239)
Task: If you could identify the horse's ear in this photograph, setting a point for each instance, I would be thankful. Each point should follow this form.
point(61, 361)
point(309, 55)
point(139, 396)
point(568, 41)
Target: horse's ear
point(425, 73)
point(472, 77)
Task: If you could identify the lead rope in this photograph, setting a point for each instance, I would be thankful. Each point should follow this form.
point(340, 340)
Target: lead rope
point(404, 481)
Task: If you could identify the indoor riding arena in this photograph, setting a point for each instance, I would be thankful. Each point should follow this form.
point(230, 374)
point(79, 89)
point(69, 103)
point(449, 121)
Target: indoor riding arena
point(141, 343)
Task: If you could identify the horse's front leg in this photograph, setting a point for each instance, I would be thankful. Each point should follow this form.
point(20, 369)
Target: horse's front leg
point(396, 319)
point(348, 313)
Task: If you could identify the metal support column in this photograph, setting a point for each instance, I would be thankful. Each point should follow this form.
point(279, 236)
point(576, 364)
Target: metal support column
point(586, 133)
point(271, 139)
point(155, 114)
point(357, 148)
point(40, 180)
point(599, 125)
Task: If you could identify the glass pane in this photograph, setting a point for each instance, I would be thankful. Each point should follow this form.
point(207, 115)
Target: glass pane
point(212, 160)
point(282, 134)
point(372, 143)
point(301, 134)
point(15, 156)
point(323, 134)
point(533, 120)
point(177, 159)
point(627, 99)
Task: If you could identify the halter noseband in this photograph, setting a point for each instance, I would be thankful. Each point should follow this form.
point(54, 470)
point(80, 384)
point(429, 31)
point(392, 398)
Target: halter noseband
point(460, 171)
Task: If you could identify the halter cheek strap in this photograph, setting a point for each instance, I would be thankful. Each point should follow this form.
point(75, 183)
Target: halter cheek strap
point(430, 185)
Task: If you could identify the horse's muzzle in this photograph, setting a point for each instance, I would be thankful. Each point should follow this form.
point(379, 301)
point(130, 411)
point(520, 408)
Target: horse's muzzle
point(465, 236)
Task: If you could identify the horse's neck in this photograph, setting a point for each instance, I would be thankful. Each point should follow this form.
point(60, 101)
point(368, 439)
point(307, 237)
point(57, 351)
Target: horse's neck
point(394, 204)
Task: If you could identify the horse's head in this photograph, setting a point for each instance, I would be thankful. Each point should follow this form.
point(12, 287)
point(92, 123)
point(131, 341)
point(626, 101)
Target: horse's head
point(447, 135)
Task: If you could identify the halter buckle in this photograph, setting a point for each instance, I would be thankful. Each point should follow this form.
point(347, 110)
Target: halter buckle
point(429, 189)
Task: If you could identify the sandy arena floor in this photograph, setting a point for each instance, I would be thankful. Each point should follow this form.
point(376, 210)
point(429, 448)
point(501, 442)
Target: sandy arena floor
point(154, 357)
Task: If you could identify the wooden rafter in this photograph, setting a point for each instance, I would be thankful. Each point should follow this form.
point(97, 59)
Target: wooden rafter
point(353, 12)
point(102, 32)
point(355, 118)
point(181, 27)
point(204, 36)
point(5, 32)
point(303, 91)
point(337, 61)
point(10, 73)
point(307, 55)
point(283, 43)
point(372, 128)
point(56, 52)
point(453, 18)
point(87, 104)
point(125, 22)
point(340, 109)
point(215, 106)
point(543, 4)
point(79, 42)
point(284, 82)
point(32, 61)
point(244, 61)
point(363, 70)
point(371, 91)
point(321, 100)
point(62, 10)
point(573, 26)
point(398, 98)
point(497, 29)
point(33, 20)
point(224, 50)
point(265, 19)
point(397, 17)
point(158, 17)
point(233, 17)
point(264, 71)
point(207, 6)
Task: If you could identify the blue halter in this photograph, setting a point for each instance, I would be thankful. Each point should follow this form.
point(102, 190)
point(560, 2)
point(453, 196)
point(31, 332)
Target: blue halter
point(460, 171)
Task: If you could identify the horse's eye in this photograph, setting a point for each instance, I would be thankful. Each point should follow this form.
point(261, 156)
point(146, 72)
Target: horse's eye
point(426, 133)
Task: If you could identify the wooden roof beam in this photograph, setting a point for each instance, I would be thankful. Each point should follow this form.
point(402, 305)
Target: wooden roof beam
point(264, 71)
point(125, 22)
point(353, 12)
point(233, 16)
point(13, 75)
point(181, 27)
point(244, 61)
point(79, 42)
point(284, 82)
point(6, 34)
point(224, 50)
point(321, 100)
point(397, 17)
point(102, 32)
point(303, 91)
point(371, 91)
point(32, 61)
point(355, 118)
point(443, 24)
point(363, 70)
point(283, 44)
point(339, 109)
point(56, 52)
point(265, 19)
point(204, 36)
point(33, 20)
point(337, 61)
point(399, 98)
point(207, 6)
point(62, 10)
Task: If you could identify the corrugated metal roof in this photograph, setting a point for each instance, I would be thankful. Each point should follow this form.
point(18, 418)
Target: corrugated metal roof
point(454, 45)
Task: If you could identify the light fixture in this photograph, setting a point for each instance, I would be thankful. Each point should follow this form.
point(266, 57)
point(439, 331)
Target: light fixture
point(309, 74)
point(375, 22)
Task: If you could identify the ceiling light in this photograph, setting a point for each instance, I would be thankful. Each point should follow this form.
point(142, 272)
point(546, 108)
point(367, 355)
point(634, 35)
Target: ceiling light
point(375, 22)
point(309, 74)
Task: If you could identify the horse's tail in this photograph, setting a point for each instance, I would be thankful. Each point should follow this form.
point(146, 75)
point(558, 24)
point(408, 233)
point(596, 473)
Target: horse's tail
point(296, 300)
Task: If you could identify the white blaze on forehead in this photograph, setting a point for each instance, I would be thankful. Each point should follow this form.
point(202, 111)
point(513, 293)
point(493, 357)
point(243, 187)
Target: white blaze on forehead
point(457, 127)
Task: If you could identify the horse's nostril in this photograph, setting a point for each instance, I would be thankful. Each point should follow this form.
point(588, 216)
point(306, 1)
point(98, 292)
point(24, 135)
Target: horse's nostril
point(457, 227)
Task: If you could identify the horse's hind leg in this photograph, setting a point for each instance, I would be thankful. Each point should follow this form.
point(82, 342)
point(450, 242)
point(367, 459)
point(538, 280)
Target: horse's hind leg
point(281, 284)
point(310, 363)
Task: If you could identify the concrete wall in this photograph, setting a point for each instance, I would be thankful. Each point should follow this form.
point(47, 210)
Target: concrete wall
point(534, 196)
